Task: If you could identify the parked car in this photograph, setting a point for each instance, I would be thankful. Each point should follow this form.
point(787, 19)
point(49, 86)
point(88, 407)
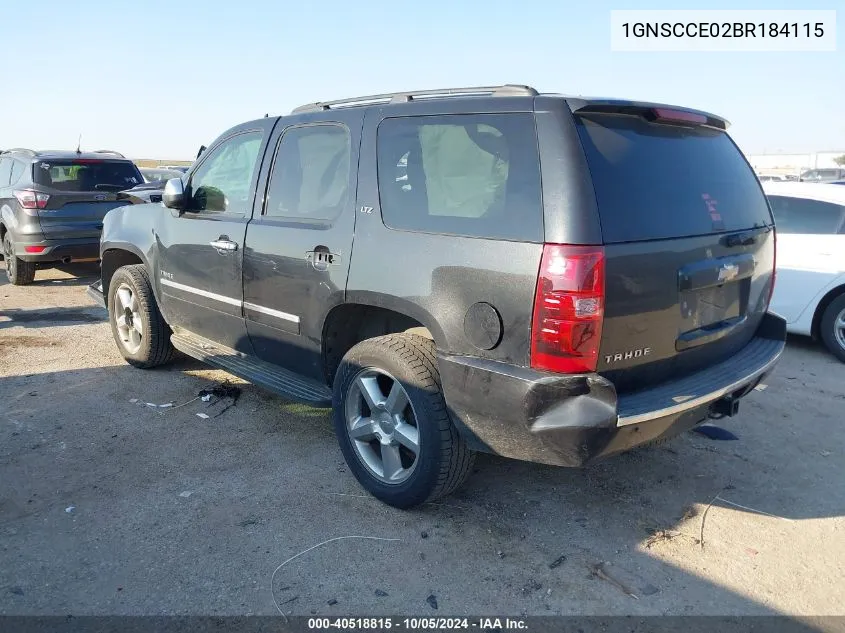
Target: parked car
point(772, 177)
point(838, 182)
point(810, 289)
point(180, 168)
point(159, 174)
point(822, 175)
point(557, 280)
point(52, 206)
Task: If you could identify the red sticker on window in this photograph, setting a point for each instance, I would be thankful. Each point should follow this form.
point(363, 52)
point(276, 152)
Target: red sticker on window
point(715, 216)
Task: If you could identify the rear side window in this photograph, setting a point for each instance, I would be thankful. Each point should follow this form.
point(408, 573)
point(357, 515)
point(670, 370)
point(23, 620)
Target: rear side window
point(17, 171)
point(800, 215)
point(310, 180)
point(86, 175)
point(476, 175)
point(5, 171)
point(655, 181)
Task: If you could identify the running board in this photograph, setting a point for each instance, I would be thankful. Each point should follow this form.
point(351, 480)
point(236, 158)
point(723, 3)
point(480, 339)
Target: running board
point(266, 375)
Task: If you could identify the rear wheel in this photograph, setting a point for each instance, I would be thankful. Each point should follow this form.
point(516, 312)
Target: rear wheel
point(18, 271)
point(141, 333)
point(833, 327)
point(392, 423)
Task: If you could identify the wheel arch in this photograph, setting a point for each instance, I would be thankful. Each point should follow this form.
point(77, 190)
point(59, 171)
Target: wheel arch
point(114, 257)
point(821, 306)
point(351, 322)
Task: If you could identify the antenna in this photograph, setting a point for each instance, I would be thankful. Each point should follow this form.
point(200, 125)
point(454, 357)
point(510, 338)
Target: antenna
point(79, 145)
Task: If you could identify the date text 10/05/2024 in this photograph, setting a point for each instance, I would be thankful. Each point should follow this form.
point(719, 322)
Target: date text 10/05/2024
point(417, 624)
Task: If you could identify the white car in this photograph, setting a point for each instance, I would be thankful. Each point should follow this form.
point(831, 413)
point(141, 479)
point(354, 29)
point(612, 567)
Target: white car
point(810, 283)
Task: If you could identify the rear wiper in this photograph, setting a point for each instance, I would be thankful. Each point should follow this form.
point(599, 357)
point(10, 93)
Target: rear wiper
point(744, 238)
point(112, 187)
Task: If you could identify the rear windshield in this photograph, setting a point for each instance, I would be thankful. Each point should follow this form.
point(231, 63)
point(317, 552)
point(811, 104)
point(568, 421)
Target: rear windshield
point(86, 175)
point(656, 181)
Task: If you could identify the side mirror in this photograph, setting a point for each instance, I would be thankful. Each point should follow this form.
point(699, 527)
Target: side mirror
point(174, 194)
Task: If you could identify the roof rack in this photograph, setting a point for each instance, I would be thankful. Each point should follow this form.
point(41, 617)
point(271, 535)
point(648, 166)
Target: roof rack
point(506, 90)
point(109, 151)
point(19, 150)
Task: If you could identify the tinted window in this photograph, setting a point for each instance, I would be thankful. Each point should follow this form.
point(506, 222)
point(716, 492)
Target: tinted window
point(86, 175)
point(475, 175)
point(17, 171)
point(656, 181)
point(799, 215)
point(310, 179)
point(223, 183)
point(5, 171)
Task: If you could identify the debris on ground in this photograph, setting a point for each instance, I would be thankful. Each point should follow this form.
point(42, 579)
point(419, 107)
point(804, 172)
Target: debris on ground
point(70, 509)
point(557, 562)
point(202, 415)
point(714, 432)
point(658, 535)
point(628, 582)
point(432, 601)
point(381, 593)
point(761, 387)
point(423, 534)
point(332, 602)
point(166, 405)
point(16, 590)
point(185, 494)
point(221, 391)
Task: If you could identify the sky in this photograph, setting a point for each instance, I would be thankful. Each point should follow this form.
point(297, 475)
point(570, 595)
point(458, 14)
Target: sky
point(162, 78)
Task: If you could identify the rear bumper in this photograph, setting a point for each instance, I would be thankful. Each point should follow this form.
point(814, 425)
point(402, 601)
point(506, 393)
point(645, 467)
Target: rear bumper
point(76, 249)
point(573, 420)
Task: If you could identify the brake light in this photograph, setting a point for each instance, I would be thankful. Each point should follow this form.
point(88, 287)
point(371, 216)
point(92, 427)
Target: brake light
point(29, 199)
point(86, 161)
point(568, 309)
point(774, 266)
point(677, 116)
point(34, 249)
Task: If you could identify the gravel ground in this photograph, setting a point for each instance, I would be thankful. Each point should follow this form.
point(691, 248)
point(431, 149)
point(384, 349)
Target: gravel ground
point(108, 506)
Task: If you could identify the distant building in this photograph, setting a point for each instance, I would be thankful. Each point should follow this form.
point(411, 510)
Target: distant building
point(793, 163)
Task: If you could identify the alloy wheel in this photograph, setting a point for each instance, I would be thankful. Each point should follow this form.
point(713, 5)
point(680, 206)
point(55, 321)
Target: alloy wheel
point(382, 425)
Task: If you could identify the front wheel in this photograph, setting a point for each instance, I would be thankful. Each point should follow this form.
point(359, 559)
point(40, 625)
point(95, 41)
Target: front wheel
point(833, 327)
point(392, 423)
point(141, 333)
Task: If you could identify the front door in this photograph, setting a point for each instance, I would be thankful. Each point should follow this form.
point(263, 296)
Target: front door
point(298, 244)
point(200, 251)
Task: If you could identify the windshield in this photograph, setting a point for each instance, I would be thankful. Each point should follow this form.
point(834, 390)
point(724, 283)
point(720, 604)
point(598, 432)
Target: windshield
point(86, 175)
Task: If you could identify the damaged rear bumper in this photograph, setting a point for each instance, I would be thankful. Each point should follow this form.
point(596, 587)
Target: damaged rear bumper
point(571, 420)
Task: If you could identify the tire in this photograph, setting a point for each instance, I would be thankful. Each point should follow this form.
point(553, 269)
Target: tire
point(18, 272)
point(832, 327)
point(442, 461)
point(150, 345)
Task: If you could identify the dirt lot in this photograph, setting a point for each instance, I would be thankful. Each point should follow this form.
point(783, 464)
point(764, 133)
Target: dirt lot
point(108, 506)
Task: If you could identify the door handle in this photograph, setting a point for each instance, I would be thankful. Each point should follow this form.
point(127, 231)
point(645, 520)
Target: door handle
point(224, 245)
point(321, 258)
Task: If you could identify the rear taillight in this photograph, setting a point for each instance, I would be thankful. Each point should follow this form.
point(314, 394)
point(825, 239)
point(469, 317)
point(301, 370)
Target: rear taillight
point(34, 249)
point(668, 115)
point(29, 199)
point(774, 266)
point(568, 309)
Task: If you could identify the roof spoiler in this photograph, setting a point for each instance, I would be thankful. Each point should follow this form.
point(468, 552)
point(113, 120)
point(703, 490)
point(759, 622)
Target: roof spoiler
point(657, 112)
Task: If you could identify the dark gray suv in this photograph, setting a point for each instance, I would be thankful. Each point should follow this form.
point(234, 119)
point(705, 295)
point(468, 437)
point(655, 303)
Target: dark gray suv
point(52, 206)
point(548, 278)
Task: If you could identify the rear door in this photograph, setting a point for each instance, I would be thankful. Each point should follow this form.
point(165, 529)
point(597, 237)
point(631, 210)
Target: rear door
point(689, 244)
point(81, 191)
point(811, 250)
